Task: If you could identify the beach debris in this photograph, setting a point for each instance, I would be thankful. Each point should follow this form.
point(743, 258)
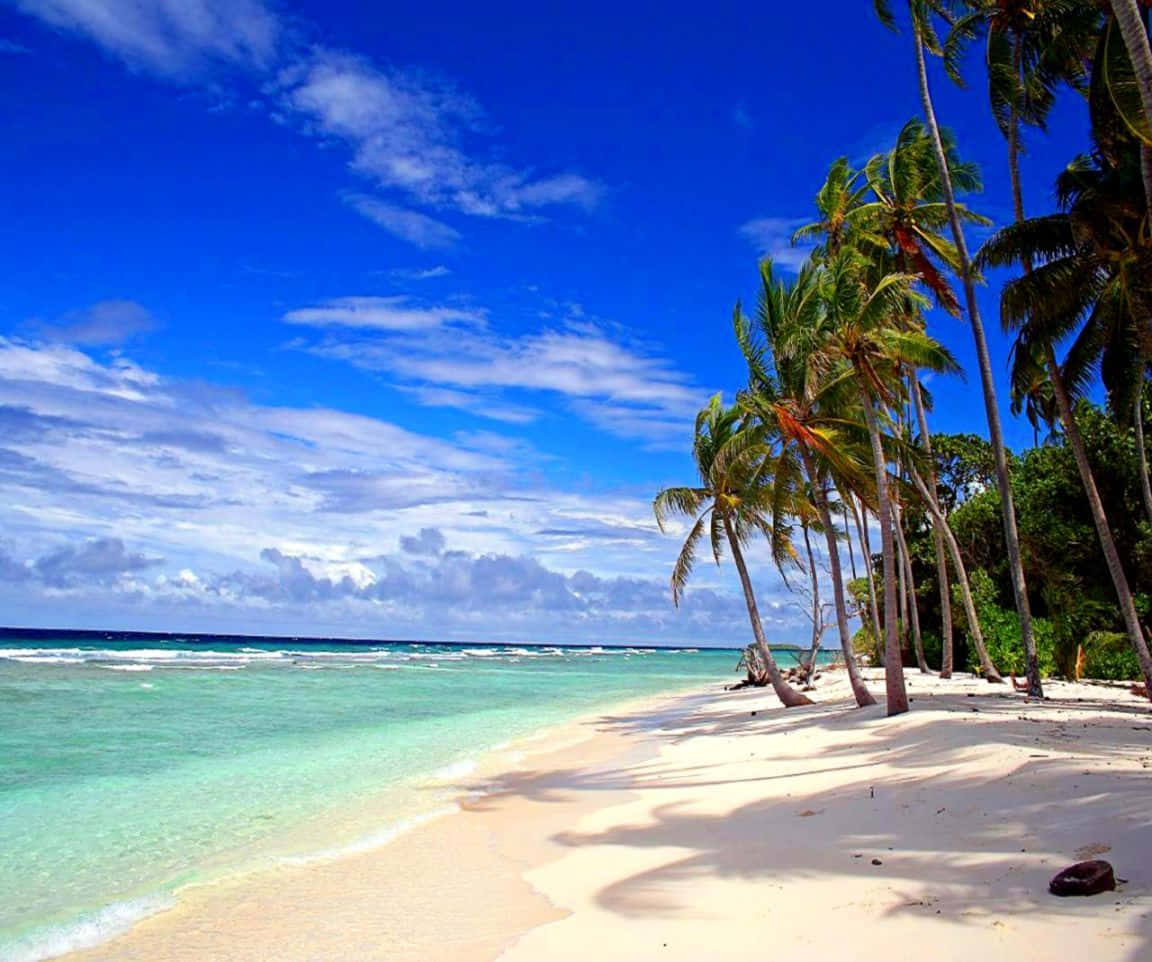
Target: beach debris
point(877, 861)
point(1084, 878)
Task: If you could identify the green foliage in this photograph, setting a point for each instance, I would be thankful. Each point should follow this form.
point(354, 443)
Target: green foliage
point(965, 465)
point(1001, 629)
point(866, 645)
point(1070, 590)
point(1107, 654)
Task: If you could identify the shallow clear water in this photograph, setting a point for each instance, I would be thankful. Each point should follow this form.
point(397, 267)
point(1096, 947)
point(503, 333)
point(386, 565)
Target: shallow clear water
point(126, 771)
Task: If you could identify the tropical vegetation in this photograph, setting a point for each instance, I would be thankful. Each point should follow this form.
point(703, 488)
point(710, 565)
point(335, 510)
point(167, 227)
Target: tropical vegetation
point(1042, 560)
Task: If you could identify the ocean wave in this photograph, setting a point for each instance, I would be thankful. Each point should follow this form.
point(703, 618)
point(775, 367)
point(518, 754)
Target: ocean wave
point(458, 769)
point(84, 933)
point(372, 841)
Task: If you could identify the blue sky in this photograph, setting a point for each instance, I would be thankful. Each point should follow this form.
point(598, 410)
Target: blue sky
point(389, 322)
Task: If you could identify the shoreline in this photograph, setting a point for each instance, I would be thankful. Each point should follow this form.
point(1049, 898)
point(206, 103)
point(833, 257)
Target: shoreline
point(707, 824)
point(452, 790)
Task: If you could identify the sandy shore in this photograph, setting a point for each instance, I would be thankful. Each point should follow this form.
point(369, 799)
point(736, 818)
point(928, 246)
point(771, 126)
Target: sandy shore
point(719, 826)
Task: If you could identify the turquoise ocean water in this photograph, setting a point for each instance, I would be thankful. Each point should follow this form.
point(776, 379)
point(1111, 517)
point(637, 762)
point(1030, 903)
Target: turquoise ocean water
point(130, 768)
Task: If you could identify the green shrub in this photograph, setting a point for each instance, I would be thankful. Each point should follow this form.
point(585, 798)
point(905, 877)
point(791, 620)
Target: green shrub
point(1001, 629)
point(1109, 655)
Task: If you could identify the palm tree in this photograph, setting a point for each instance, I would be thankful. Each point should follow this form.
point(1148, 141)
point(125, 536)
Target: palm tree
point(1142, 456)
point(789, 401)
point(924, 37)
point(1032, 47)
point(903, 222)
point(1093, 284)
point(862, 305)
point(1135, 34)
point(909, 213)
point(731, 504)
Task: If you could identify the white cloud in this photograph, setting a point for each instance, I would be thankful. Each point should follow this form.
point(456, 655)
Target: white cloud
point(105, 322)
point(772, 237)
point(419, 140)
point(473, 403)
point(406, 133)
point(169, 37)
point(141, 500)
point(419, 273)
point(410, 225)
point(624, 388)
point(396, 313)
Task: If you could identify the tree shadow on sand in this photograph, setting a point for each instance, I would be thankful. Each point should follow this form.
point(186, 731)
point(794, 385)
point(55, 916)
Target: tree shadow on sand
point(987, 865)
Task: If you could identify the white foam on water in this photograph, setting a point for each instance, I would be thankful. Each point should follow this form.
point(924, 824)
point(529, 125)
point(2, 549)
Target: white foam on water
point(373, 841)
point(460, 769)
point(84, 933)
point(131, 667)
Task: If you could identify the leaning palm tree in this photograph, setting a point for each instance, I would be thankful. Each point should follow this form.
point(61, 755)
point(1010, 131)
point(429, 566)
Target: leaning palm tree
point(731, 505)
point(909, 215)
point(925, 39)
point(798, 411)
point(1088, 275)
point(863, 303)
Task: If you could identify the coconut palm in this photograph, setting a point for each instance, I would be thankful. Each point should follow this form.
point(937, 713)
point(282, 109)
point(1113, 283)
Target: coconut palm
point(862, 305)
point(838, 204)
point(790, 403)
point(731, 504)
point(907, 213)
point(902, 222)
point(1088, 275)
point(1032, 47)
point(1132, 28)
point(925, 39)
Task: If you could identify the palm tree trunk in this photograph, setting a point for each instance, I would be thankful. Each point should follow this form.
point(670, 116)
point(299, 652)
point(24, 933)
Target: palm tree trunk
point(893, 665)
point(910, 588)
point(1131, 23)
point(901, 582)
point(848, 538)
point(1100, 519)
point(946, 655)
point(1142, 457)
point(865, 541)
point(995, 432)
point(941, 524)
point(813, 576)
point(785, 692)
point(820, 499)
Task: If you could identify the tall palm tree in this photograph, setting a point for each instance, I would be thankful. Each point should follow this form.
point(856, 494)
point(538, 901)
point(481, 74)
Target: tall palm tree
point(1093, 282)
point(903, 221)
point(1142, 456)
point(1135, 34)
point(862, 305)
point(731, 505)
point(1032, 47)
point(925, 38)
point(909, 213)
point(787, 398)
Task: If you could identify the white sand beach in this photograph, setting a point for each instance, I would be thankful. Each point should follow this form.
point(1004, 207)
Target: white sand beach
point(721, 826)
